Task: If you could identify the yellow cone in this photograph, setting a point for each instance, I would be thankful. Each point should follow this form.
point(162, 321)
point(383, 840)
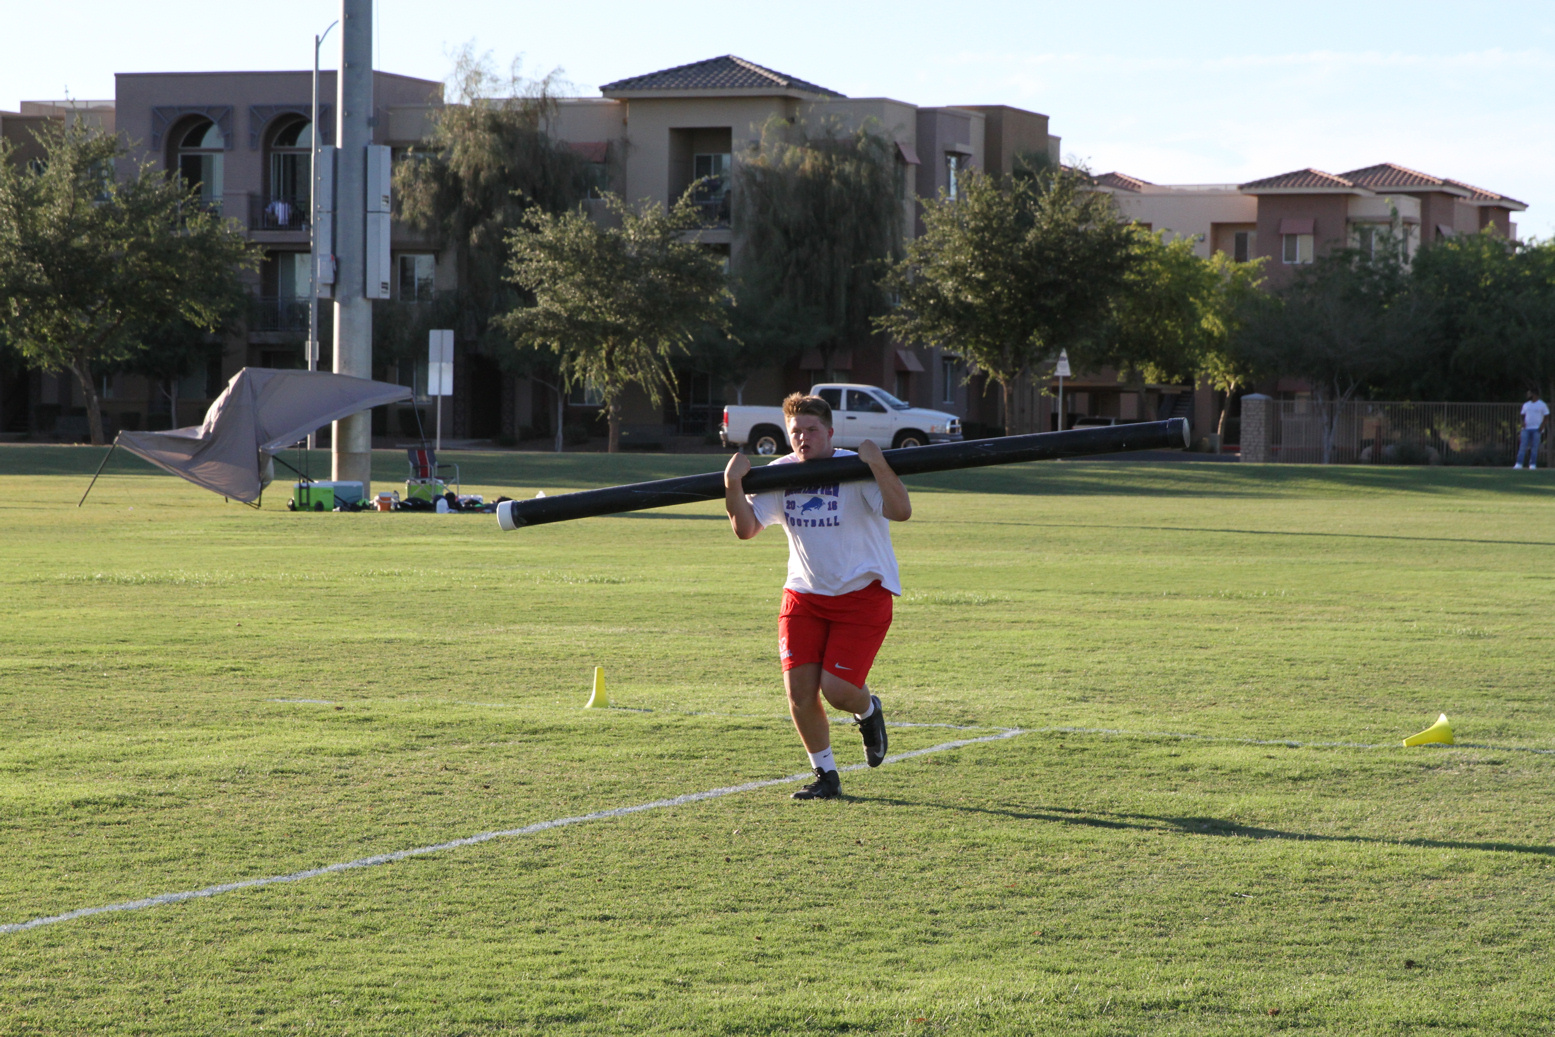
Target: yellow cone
point(600, 700)
point(1441, 731)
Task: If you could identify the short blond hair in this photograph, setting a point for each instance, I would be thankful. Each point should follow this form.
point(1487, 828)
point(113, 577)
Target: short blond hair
point(798, 403)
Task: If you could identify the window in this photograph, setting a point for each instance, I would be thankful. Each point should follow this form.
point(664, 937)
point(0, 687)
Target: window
point(953, 165)
point(714, 169)
point(1242, 246)
point(863, 402)
point(417, 277)
point(597, 176)
point(291, 154)
point(200, 158)
point(1367, 239)
point(585, 396)
point(903, 383)
point(833, 398)
point(1297, 248)
point(950, 377)
point(293, 275)
point(712, 193)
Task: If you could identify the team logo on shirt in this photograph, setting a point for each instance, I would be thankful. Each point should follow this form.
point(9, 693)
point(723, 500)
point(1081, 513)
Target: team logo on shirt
point(809, 506)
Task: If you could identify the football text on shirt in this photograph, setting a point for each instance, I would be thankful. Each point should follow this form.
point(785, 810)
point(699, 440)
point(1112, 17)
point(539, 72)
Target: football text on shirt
point(806, 506)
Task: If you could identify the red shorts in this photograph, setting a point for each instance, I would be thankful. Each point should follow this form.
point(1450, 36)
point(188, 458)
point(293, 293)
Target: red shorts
point(841, 632)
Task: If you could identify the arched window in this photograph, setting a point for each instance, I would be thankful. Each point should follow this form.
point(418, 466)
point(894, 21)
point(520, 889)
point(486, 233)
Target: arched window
point(289, 170)
point(199, 154)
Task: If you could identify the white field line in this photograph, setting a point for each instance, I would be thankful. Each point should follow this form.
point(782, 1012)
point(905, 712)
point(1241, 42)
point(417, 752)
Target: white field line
point(472, 840)
point(1288, 742)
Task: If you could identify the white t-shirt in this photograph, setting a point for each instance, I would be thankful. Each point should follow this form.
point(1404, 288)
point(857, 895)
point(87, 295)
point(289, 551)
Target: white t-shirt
point(1534, 413)
point(839, 541)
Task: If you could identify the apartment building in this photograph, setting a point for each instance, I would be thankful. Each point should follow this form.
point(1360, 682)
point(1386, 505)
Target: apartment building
point(1292, 218)
point(245, 139)
point(653, 135)
point(1289, 220)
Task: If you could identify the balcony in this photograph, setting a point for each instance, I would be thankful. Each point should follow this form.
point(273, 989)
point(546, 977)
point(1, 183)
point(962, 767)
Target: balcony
point(286, 214)
point(268, 313)
point(711, 199)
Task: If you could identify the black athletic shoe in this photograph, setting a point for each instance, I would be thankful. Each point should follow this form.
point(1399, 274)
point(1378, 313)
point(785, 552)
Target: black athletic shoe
point(827, 785)
point(872, 728)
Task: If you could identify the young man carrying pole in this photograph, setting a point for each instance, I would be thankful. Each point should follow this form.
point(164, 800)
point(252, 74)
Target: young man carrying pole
point(842, 577)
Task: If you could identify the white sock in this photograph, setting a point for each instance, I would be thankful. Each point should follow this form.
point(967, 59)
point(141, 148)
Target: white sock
point(823, 760)
point(868, 712)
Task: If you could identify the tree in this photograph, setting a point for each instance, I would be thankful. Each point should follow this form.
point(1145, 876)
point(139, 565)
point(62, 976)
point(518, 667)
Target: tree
point(1009, 273)
point(173, 351)
point(1174, 318)
point(1492, 327)
point(90, 264)
point(614, 299)
point(488, 162)
point(1345, 323)
point(818, 217)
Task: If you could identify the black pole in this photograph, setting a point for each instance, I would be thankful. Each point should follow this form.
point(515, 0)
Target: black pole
point(99, 471)
point(941, 457)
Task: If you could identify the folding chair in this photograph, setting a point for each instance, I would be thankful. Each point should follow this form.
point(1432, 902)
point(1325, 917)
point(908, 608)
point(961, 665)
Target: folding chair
point(424, 468)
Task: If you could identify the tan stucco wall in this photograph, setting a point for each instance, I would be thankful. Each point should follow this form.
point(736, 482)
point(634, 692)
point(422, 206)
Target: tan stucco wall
point(650, 122)
point(1187, 213)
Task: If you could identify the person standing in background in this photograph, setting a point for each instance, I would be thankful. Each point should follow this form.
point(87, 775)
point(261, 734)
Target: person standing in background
point(1535, 413)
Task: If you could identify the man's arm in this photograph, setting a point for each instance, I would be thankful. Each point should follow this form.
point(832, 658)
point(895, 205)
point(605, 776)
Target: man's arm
point(894, 503)
point(741, 515)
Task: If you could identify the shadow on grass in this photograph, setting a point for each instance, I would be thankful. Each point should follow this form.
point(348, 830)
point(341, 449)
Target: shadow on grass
point(1210, 826)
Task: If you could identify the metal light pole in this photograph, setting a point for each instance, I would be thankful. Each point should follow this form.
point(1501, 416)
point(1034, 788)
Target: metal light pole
point(1062, 370)
point(352, 437)
point(313, 214)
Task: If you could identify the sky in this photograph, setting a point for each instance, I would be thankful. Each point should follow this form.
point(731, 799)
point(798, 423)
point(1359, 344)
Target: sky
point(1182, 92)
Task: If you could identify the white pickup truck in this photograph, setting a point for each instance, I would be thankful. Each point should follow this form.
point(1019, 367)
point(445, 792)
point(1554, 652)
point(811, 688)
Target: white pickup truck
point(859, 412)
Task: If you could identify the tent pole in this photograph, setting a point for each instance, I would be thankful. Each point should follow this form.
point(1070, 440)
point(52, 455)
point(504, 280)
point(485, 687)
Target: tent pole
point(420, 430)
point(99, 471)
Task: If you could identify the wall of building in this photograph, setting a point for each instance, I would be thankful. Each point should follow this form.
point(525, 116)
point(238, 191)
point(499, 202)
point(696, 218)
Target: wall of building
point(1330, 216)
point(651, 170)
point(1192, 213)
point(1010, 133)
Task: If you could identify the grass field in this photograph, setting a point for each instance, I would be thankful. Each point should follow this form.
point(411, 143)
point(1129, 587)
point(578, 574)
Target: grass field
point(194, 693)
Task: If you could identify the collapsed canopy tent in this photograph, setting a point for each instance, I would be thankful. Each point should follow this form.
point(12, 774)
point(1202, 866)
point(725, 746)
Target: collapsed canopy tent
point(260, 412)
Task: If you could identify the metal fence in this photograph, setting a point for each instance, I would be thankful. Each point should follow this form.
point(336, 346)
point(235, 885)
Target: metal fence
point(267, 213)
point(269, 313)
point(1370, 432)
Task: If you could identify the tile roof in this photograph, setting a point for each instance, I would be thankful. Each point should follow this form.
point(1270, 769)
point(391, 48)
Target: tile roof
point(725, 73)
point(1122, 182)
point(1386, 175)
point(1312, 179)
point(1479, 194)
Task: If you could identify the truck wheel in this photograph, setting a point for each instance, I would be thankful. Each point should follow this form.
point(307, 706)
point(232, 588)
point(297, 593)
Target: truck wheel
point(768, 441)
point(910, 437)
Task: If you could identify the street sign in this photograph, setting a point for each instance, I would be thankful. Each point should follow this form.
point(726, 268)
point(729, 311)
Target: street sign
point(1063, 365)
point(440, 362)
point(440, 372)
